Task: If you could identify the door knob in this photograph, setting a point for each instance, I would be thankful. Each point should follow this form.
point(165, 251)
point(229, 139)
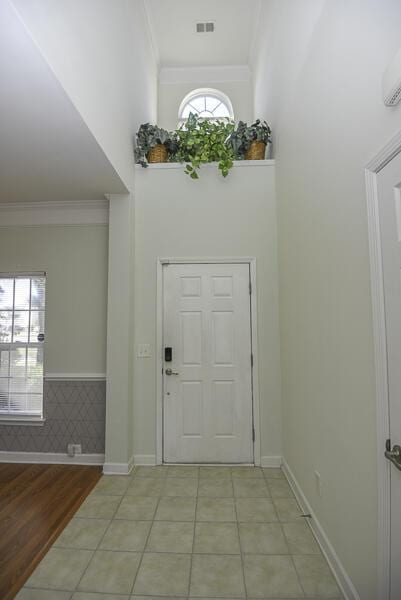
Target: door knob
point(171, 372)
point(394, 455)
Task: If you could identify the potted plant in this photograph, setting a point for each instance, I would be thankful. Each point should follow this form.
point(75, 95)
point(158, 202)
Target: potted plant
point(201, 141)
point(249, 142)
point(153, 144)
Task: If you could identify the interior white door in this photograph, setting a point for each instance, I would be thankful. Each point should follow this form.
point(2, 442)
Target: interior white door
point(389, 188)
point(207, 404)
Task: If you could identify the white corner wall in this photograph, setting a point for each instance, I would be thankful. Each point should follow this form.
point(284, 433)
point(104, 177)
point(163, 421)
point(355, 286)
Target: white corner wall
point(212, 217)
point(102, 55)
point(319, 83)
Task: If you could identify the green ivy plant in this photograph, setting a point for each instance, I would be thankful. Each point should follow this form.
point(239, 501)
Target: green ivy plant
point(148, 137)
point(242, 137)
point(201, 141)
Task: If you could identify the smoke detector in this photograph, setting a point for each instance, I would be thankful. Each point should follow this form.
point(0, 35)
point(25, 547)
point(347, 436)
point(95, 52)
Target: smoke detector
point(205, 27)
point(392, 81)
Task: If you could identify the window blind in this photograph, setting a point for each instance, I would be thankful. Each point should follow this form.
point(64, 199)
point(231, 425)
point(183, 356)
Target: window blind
point(22, 331)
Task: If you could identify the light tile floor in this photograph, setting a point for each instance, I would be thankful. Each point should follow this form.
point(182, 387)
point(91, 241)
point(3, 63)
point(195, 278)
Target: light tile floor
point(185, 532)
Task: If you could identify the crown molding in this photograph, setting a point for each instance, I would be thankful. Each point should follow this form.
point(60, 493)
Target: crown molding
point(75, 212)
point(238, 73)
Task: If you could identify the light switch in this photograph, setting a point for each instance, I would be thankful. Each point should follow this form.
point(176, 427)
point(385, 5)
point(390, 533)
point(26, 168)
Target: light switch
point(144, 351)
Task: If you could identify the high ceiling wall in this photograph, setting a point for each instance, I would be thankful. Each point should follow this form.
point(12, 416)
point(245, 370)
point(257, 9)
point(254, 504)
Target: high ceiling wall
point(47, 151)
point(318, 80)
point(101, 53)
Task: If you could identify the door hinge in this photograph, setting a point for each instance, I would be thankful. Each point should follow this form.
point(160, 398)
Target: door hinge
point(250, 287)
point(251, 360)
point(388, 445)
point(253, 434)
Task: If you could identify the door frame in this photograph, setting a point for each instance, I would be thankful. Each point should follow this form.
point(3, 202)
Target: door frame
point(374, 166)
point(251, 261)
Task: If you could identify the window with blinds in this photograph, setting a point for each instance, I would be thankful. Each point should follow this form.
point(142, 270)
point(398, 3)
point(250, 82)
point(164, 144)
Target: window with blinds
point(22, 333)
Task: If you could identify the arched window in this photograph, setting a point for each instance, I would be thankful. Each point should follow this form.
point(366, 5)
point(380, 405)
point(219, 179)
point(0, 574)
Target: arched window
point(206, 103)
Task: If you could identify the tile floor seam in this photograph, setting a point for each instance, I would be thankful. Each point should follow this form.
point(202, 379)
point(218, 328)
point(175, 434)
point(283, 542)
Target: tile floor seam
point(193, 542)
point(144, 547)
point(285, 537)
point(240, 548)
point(315, 538)
point(297, 574)
point(94, 551)
point(292, 556)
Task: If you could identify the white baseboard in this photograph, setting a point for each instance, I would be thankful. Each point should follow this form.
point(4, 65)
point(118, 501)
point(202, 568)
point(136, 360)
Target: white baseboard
point(118, 468)
point(145, 459)
point(340, 574)
point(270, 461)
point(51, 458)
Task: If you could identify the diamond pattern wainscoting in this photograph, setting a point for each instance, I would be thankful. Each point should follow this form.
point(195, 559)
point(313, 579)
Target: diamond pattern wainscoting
point(74, 413)
point(186, 532)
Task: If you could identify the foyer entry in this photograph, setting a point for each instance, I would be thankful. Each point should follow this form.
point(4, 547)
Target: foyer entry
point(207, 364)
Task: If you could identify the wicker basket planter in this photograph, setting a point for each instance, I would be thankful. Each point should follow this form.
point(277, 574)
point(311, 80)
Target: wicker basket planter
point(256, 151)
point(158, 154)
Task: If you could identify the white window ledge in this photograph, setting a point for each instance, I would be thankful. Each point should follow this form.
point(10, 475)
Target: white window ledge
point(237, 163)
point(27, 421)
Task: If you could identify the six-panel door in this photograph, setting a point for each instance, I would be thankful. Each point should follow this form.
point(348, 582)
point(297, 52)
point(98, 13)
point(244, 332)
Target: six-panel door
point(207, 398)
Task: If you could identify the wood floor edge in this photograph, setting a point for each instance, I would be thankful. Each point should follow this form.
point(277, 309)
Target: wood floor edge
point(19, 584)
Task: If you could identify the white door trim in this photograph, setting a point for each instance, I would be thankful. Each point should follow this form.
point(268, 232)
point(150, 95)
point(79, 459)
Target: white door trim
point(251, 261)
point(382, 158)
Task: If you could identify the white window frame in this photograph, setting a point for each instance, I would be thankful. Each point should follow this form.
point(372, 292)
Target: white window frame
point(21, 418)
point(223, 99)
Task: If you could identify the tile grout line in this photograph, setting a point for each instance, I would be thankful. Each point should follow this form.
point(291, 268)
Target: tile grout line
point(193, 539)
point(147, 538)
point(240, 545)
point(291, 556)
point(94, 551)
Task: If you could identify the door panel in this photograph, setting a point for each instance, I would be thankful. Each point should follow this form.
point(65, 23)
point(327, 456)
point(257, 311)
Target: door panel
point(389, 188)
point(207, 400)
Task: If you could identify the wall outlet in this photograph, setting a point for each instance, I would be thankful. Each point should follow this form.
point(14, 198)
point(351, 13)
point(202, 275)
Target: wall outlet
point(318, 483)
point(73, 449)
point(144, 351)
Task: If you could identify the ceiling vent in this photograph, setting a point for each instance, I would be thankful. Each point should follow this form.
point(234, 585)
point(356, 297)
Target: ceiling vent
point(205, 27)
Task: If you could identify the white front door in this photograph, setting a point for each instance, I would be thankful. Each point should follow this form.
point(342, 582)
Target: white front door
point(389, 188)
point(207, 391)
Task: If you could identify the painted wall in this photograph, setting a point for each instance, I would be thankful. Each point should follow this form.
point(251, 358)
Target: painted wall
point(329, 120)
point(75, 260)
point(172, 94)
point(179, 217)
point(102, 55)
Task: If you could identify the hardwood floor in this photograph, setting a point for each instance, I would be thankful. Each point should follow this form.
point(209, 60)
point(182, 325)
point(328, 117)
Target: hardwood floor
point(36, 503)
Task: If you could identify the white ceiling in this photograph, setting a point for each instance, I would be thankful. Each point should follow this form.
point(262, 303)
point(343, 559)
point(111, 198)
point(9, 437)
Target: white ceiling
point(172, 23)
point(46, 150)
